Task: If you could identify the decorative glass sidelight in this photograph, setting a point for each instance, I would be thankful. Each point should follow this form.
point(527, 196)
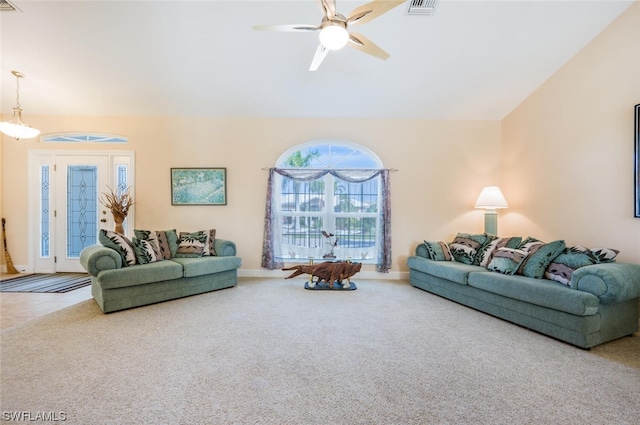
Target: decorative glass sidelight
point(121, 172)
point(45, 208)
point(121, 175)
point(82, 208)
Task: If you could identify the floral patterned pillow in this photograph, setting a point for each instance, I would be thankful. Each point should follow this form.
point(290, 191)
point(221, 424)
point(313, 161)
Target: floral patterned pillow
point(438, 251)
point(465, 247)
point(191, 244)
point(121, 244)
point(507, 260)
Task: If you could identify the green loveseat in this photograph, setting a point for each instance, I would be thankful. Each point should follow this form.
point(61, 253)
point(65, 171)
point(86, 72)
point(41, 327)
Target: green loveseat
point(600, 303)
point(115, 287)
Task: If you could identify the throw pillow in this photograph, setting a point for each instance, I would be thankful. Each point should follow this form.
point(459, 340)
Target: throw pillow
point(163, 244)
point(605, 255)
point(172, 240)
point(570, 259)
point(438, 251)
point(166, 241)
point(191, 244)
point(465, 247)
point(539, 256)
point(507, 260)
point(121, 244)
point(146, 251)
point(154, 240)
point(486, 255)
point(210, 249)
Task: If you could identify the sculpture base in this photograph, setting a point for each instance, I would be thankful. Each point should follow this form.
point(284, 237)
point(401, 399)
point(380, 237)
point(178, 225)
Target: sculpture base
point(336, 286)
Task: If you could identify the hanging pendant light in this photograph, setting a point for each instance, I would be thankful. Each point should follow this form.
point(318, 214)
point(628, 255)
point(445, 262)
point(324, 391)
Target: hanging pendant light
point(15, 127)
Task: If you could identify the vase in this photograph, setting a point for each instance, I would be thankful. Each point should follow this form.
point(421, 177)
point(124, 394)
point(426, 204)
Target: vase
point(119, 219)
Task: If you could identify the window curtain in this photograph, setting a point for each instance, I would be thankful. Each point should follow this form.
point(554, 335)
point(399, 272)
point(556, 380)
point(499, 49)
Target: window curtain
point(273, 219)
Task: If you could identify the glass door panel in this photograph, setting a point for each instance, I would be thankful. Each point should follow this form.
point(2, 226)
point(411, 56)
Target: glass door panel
point(80, 181)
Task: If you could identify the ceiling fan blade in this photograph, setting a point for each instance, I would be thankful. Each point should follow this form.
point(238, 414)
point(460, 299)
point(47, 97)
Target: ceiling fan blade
point(289, 28)
point(362, 43)
point(321, 53)
point(329, 8)
point(371, 10)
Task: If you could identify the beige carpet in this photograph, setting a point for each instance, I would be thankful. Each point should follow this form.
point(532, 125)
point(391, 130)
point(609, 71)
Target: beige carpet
point(270, 352)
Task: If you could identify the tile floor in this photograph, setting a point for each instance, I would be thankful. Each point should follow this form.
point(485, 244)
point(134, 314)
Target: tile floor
point(17, 308)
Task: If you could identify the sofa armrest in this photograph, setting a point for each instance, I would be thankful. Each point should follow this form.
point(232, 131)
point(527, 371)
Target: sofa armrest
point(96, 258)
point(421, 251)
point(610, 282)
point(225, 248)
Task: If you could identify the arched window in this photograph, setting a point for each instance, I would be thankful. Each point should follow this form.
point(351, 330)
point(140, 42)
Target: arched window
point(327, 200)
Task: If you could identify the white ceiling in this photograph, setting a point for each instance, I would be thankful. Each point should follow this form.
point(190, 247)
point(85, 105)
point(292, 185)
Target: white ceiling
point(473, 60)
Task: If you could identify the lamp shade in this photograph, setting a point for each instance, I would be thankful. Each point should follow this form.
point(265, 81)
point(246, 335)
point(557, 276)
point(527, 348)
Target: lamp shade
point(15, 127)
point(491, 198)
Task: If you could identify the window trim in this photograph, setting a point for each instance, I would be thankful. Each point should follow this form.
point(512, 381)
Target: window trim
point(81, 137)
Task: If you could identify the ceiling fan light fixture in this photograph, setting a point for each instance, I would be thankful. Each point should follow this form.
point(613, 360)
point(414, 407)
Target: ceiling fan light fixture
point(334, 36)
point(15, 127)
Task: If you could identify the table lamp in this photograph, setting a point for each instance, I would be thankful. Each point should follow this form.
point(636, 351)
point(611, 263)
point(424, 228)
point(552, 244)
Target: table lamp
point(491, 198)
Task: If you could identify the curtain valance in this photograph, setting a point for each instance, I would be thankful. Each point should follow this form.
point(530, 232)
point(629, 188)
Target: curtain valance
point(348, 175)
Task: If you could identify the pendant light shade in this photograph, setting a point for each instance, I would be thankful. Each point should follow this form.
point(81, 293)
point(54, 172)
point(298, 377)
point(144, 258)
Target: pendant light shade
point(15, 127)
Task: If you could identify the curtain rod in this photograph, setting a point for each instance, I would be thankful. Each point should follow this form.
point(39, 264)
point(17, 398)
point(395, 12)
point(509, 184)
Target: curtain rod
point(338, 169)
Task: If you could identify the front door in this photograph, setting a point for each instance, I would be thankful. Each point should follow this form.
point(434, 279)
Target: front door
point(79, 214)
point(64, 203)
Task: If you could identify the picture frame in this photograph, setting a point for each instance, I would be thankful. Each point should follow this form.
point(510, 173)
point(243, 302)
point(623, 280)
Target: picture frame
point(199, 186)
point(636, 185)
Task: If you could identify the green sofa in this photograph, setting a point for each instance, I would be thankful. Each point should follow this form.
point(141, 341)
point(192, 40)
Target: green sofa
point(599, 305)
point(115, 287)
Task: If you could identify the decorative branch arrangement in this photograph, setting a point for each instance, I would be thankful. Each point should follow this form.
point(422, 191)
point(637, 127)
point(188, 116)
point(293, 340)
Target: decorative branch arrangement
point(119, 206)
point(333, 244)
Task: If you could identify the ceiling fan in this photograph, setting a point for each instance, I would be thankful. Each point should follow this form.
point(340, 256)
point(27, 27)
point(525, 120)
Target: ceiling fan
point(334, 33)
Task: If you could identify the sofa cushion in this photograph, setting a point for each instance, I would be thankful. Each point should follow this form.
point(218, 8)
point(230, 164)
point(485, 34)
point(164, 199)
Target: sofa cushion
point(605, 255)
point(191, 244)
point(449, 270)
point(570, 259)
point(146, 251)
point(466, 246)
point(121, 244)
point(536, 291)
point(209, 244)
point(165, 242)
point(540, 255)
point(154, 241)
point(438, 251)
point(139, 274)
point(507, 260)
point(489, 249)
point(207, 265)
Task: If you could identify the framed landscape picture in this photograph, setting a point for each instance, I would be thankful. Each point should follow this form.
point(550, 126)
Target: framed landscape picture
point(198, 186)
point(636, 132)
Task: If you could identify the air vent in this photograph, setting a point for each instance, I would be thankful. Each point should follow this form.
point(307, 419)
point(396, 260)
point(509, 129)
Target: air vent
point(422, 7)
point(6, 6)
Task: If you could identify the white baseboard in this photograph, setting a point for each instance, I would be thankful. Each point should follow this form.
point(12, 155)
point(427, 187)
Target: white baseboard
point(264, 273)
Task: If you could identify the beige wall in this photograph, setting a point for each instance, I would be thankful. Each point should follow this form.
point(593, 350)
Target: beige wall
point(568, 149)
point(563, 158)
point(442, 167)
